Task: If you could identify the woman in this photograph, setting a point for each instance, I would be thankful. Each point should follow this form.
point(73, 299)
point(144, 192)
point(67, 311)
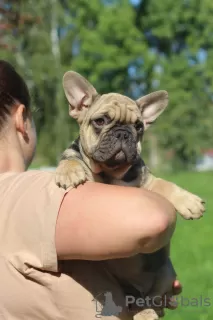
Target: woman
point(49, 236)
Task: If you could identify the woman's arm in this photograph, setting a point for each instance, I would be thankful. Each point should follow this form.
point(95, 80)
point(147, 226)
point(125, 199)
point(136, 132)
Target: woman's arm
point(98, 222)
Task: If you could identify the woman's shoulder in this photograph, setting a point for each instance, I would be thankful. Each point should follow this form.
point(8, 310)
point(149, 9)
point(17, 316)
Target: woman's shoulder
point(29, 182)
point(26, 176)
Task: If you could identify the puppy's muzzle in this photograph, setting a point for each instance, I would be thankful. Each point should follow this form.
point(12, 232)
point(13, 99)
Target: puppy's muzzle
point(117, 147)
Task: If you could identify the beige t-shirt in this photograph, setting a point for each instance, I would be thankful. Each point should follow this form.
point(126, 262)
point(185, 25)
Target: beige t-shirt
point(33, 284)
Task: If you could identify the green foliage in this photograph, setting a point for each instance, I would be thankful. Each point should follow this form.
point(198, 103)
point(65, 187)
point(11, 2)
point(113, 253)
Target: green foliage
point(120, 47)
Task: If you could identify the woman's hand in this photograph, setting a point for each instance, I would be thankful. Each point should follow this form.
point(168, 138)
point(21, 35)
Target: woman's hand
point(169, 301)
point(176, 290)
point(160, 303)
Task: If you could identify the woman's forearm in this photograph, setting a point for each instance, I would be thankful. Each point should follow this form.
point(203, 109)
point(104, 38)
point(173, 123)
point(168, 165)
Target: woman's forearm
point(98, 222)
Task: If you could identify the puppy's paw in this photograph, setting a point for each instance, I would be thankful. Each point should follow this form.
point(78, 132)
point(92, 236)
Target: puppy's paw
point(147, 314)
point(189, 205)
point(70, 173)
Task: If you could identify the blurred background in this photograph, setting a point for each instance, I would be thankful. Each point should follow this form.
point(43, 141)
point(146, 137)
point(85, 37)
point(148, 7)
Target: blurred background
point(132, 47)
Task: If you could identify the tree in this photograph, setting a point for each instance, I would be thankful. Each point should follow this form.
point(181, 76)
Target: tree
point(122, 46)
point(178, 35)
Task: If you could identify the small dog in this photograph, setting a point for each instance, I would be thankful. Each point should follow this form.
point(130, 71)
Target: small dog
point(108, 150)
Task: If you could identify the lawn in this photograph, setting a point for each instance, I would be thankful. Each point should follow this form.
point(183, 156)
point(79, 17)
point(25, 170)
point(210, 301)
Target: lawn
point(192, 252)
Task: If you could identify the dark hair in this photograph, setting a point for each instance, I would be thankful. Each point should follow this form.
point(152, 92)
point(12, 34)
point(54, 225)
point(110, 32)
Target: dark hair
point(12, 89)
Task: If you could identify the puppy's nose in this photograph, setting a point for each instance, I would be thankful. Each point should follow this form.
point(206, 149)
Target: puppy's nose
point(120, 134)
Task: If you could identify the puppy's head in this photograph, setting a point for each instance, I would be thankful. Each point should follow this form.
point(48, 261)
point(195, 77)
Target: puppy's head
point(111, 125)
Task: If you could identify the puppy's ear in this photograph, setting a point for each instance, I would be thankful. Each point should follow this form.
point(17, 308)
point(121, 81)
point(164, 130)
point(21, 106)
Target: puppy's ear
point(152, 105)
point(79, 93)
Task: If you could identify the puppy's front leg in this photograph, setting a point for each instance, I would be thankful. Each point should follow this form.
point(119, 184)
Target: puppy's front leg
point(71, 171)
point(187, 204)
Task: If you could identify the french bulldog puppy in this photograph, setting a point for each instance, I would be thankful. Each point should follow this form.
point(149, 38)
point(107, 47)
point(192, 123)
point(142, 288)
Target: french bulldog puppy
point(108, 150)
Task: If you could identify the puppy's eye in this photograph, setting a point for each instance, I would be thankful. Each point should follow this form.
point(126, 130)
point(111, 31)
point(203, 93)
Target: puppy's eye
point(139, 127)
point(99, 122)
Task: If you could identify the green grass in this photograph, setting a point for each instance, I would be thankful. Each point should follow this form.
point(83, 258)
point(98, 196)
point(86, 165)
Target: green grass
point(192, 251)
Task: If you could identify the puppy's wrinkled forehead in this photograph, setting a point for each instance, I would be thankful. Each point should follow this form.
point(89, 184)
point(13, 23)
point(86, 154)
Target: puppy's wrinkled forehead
point(117, 106)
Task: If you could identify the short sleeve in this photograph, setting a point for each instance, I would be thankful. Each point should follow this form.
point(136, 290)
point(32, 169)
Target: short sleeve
point(29, 206)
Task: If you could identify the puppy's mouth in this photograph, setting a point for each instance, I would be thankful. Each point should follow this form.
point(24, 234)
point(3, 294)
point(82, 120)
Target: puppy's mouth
point(117, 160)
point(120, 161)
